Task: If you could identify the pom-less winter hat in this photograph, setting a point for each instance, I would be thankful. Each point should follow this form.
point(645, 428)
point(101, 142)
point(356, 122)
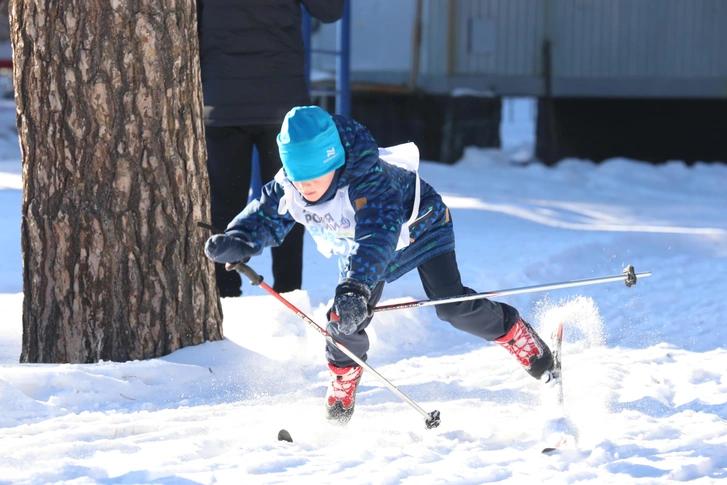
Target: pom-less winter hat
point(309, 144)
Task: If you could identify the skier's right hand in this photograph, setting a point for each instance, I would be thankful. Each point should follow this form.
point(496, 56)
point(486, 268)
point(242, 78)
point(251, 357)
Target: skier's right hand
point(223, 248)
point(350, 308)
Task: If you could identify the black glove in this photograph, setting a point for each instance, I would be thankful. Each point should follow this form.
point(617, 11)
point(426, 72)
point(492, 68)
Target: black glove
point(351, 304)
point(223, 248)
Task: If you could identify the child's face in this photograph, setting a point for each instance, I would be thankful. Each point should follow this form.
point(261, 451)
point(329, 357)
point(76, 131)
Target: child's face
point(313, 189)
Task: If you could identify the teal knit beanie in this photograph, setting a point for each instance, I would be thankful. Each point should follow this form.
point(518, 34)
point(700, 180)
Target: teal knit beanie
point(309, 144)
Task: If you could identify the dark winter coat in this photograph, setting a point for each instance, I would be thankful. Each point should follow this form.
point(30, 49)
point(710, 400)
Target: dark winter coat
point(252, 58)
point(382, 195)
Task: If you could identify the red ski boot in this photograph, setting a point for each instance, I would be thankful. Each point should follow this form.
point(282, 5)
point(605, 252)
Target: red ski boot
point(528, 348)
point(341, 394)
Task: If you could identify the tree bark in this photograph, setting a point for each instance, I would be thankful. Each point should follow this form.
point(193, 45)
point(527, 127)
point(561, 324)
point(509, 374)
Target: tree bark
point(109, 108)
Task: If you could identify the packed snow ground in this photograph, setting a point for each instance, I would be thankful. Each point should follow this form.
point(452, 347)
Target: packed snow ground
point(645, 367)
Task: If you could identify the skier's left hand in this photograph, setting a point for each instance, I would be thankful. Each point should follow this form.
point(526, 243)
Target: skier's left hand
point(351, 305)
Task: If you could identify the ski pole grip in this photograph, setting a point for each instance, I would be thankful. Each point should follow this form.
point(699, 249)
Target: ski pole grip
point(255, 279)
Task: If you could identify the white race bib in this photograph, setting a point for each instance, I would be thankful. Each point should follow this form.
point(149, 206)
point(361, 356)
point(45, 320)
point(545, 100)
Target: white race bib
point(332, 224)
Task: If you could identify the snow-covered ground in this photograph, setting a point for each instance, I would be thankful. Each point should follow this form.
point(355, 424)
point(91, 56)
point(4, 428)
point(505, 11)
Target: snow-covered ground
point(645, 367)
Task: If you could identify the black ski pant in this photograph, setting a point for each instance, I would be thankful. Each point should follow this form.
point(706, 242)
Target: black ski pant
point(229, 164)
point(440, 277)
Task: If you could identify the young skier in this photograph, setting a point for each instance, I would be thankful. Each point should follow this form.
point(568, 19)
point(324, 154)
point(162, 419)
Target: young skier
point(382, 221)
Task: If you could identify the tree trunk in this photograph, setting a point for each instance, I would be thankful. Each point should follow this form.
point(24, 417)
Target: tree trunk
point(109, 107)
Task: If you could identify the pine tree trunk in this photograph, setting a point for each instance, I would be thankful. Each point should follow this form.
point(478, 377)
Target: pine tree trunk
point(109, 110)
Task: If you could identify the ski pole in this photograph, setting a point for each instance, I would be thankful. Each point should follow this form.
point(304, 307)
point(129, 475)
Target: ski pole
point(629, 276)
point(432, 419)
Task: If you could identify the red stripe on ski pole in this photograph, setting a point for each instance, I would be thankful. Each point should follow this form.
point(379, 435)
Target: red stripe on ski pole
point(295, 309)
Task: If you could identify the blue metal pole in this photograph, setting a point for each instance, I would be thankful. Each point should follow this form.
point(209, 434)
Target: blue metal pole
point(306, 31)
point(256, 182)
point(343, 62)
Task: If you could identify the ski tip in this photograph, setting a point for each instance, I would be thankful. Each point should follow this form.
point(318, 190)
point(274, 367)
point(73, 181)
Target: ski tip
point(283, 435)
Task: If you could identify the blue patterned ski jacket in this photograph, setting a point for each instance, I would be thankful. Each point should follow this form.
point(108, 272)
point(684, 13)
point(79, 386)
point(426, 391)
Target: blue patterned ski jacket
point(382, 196)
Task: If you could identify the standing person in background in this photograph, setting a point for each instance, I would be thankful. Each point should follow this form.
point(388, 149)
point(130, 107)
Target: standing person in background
point(252, 58)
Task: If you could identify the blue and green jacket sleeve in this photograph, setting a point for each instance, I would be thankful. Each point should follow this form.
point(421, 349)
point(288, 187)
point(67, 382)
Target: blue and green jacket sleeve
point(260, 223)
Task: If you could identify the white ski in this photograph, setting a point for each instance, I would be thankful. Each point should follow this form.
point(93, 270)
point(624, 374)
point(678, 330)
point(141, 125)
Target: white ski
point(558, 432)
